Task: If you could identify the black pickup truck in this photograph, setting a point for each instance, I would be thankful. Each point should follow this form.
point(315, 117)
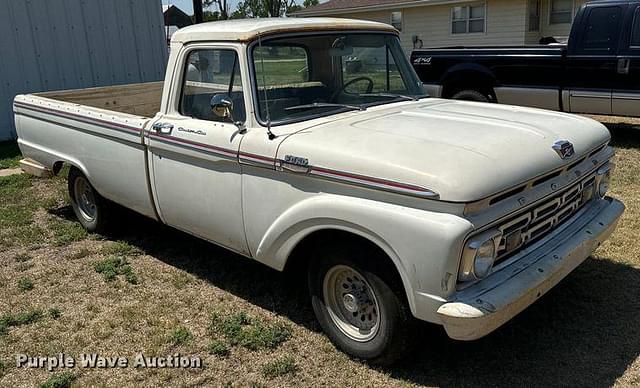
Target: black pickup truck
point(597, 72)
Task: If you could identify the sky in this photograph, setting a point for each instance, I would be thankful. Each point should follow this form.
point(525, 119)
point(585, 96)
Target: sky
point(187, 5)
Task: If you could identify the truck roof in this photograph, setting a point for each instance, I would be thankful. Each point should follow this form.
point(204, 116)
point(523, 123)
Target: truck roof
point(249, 29)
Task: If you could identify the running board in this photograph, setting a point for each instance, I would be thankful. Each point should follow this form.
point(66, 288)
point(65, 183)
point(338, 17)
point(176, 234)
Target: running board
point(32, 167)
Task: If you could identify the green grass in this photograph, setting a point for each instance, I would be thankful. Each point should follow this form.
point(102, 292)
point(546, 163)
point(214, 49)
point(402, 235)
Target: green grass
point(62, 380)
point(24, 318)
point(54, 312)
point(9, 155)
point(241, 330)
point(67, 232)
point(20, 200)
point(279, 367)
point(113, 266)
point(25, 284)
point(22, 257)
point(218, 348)
point(122, 248)
point(180, 336)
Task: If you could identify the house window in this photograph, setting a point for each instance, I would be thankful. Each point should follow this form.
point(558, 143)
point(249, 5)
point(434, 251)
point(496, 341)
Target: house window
point(468, 19)
point(534, 15)
point(396, 20)
point(561, 11)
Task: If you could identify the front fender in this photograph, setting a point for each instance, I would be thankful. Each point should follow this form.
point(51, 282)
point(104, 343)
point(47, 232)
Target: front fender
point(424, 246)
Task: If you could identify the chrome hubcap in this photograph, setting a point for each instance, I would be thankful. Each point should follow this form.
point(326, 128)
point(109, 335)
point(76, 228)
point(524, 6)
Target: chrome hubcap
point(85, 199)
point(351, 303)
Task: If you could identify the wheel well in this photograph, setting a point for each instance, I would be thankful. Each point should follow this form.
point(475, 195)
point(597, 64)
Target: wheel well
point(300, 256)
point(57, 167)
point(469, 80)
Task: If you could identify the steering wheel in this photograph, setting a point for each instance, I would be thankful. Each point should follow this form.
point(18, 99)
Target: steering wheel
point(353, 81)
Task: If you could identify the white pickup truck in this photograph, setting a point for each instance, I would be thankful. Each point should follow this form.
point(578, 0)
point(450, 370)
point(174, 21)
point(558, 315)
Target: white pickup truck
point(308, 143)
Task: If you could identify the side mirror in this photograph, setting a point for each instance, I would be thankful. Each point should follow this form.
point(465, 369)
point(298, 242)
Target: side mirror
point(222, 106)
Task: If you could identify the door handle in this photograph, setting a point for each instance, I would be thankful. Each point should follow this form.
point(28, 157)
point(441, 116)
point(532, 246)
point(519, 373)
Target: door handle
point(623, 65)
point(162, 128)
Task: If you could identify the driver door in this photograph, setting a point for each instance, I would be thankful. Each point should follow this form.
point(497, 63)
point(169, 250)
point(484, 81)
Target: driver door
point(194, 152)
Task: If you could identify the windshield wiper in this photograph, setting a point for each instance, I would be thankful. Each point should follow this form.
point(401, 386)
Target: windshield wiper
point(326, 105)
point(395, 95)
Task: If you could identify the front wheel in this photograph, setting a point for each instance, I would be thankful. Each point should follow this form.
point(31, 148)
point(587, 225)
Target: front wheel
point(359, 306)
point(89, 207)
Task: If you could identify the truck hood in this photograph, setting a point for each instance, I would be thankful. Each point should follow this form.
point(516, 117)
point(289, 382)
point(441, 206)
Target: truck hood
point(463, 151)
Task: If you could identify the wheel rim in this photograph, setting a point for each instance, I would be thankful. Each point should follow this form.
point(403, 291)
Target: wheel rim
point(85, 199)
point(351, 303)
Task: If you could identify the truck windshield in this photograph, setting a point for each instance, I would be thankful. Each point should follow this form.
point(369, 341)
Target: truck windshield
point(306, 76)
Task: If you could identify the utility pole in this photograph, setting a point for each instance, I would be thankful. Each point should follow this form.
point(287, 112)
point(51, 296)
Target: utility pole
point(197, 11)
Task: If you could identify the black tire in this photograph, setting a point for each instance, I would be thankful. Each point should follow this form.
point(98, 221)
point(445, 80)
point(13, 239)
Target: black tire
point(394, 336)
point(471, 95)
point(97, 221)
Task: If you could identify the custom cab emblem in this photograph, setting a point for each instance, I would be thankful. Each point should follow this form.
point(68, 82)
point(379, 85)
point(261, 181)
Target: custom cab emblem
point(194, 131)
point(564, 148)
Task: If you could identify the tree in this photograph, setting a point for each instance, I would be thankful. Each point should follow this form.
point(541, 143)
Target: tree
point(250, 9)
point(222, 5)
point(293, 7)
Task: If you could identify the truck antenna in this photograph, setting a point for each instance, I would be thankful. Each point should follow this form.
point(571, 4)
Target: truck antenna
point(264, 85)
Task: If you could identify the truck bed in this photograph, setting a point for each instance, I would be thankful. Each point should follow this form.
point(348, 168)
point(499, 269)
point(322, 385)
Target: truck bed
point(137, 99)
point(98, 130)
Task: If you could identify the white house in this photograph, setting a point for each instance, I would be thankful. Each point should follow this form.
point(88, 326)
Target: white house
point(437, 23)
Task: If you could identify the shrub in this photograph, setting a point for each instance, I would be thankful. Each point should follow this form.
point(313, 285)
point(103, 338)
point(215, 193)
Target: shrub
point(279, 367)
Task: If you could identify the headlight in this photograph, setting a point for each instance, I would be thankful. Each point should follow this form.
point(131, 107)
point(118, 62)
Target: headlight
point(604, 179)
point(479, 256)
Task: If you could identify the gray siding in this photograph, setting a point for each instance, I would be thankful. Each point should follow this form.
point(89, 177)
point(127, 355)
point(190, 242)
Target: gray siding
point(70, 44)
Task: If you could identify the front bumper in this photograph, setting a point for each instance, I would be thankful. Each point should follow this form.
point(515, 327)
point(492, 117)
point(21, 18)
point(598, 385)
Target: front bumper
point(487, 305)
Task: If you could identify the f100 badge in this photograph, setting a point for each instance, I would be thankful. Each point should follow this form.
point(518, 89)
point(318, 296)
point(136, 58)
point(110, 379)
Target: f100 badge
point(296, 160)
point(295, 164)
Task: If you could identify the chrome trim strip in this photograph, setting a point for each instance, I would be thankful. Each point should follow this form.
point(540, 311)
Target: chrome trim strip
point(194, 146)
point(84, 119)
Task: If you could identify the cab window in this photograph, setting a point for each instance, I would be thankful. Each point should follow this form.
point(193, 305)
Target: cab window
point(209, 72)
point(371, 70)
point(602, 30)
point(635, 31)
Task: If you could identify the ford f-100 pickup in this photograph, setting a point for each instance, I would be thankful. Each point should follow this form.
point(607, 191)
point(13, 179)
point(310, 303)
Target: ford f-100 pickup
point(597, 72)
point(272, 142)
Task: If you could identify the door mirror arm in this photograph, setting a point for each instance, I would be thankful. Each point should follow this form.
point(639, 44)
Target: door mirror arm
point(222, 107)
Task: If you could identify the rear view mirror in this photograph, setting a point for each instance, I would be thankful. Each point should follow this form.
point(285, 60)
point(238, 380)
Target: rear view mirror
point(341, 51)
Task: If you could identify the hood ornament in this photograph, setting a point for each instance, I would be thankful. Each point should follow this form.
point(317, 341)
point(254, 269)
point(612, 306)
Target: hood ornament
point(564, 148)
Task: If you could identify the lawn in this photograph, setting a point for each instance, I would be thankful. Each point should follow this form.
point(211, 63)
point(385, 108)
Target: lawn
point(151, 289)
point(9, 155)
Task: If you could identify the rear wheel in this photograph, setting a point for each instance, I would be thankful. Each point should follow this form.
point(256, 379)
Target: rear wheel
point(471, 95)
point(90, 208)
point(360, 307)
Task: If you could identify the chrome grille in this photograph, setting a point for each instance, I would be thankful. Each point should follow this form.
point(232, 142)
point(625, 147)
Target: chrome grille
point(536, 222)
